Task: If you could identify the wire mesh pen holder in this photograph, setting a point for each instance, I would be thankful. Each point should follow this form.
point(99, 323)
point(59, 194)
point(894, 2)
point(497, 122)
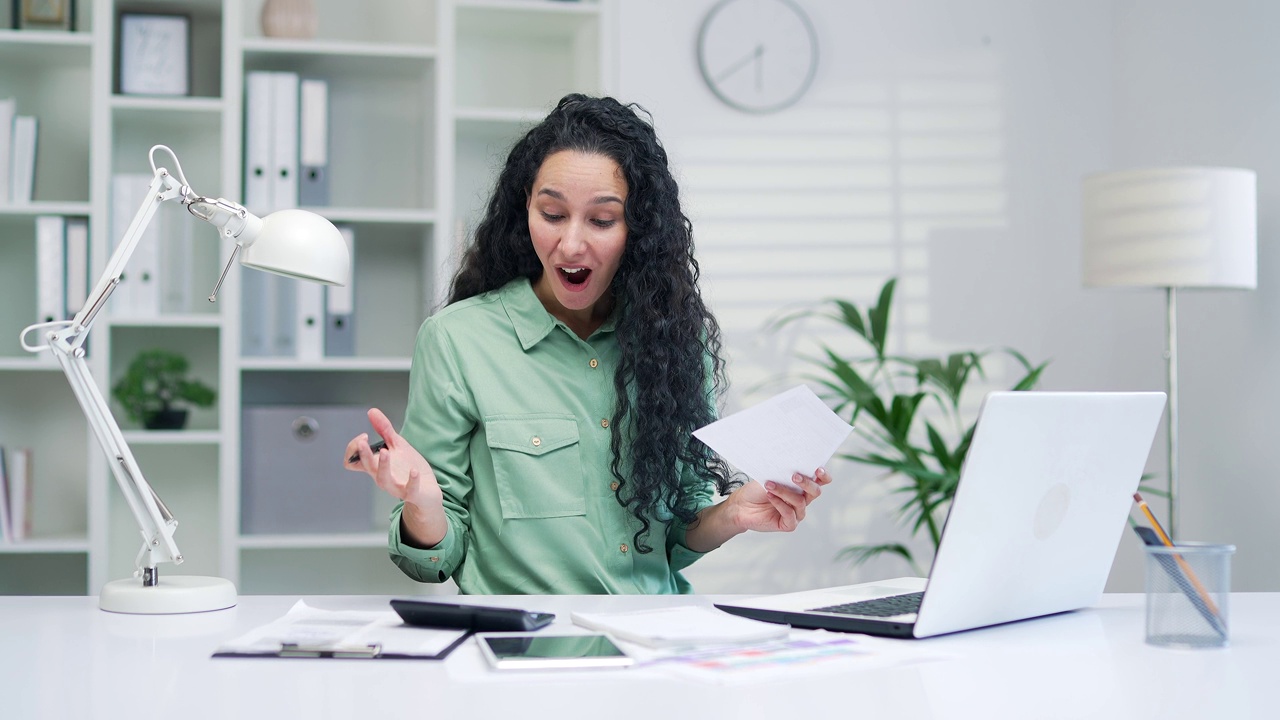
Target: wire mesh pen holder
point(1188, 589)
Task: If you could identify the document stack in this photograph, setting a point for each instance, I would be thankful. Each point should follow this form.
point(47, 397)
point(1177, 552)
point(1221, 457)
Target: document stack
point(159, 277)
point(62, 266)
point(287, 165)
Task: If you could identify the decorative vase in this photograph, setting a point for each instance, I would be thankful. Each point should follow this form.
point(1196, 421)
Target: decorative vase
point(289, 19)
point(170, 419)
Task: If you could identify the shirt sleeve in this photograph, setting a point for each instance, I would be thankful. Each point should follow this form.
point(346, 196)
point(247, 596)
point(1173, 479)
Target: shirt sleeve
point(702, 490)
point(439, 421)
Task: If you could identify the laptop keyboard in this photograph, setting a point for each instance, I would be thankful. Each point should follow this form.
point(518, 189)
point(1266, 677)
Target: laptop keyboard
point(880, 607)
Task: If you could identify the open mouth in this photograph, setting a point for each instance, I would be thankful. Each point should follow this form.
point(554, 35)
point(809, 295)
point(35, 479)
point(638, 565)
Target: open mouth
point(574, 276)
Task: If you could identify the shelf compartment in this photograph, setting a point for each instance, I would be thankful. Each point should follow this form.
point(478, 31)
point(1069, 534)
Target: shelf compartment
point(51, 571)
point(48, 75)
point(394, 98)
point(198, 345)
point(172, 437)
point(525, 54)
point(387, 21)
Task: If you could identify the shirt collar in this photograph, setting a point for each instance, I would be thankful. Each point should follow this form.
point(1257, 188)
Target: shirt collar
point(530, 319)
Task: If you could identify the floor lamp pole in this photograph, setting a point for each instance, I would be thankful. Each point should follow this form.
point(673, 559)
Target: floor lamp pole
point(1171, 360)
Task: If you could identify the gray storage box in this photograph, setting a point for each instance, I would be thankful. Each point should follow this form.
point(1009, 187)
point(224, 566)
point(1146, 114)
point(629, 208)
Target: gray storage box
point(292, 479)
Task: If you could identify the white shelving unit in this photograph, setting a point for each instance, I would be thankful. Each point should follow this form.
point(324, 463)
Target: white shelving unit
point(425, 98)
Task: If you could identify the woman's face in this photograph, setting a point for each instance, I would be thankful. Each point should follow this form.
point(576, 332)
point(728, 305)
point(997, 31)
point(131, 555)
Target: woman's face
point(579, 231)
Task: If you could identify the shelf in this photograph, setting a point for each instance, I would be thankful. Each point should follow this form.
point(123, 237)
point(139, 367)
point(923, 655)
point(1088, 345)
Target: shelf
point(557, 7)
point(33, 546)
point(189, 320)
point(375, 539)
point(375, 215)
point(511, 116)
point(336, 48)
point(172, 437)
point(28, 363)
point(45, 208)
point(43, 49)
point(151, 104)
point(330, 364)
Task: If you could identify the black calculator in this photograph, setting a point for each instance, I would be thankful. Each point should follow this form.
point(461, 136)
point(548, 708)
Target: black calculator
point(477, 618)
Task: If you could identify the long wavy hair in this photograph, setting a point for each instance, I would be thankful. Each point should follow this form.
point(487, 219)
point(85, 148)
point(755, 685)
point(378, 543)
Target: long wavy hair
point(671, 375)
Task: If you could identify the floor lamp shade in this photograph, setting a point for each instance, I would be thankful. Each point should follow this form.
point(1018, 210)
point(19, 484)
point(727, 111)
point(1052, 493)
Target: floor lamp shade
point(1180, 227)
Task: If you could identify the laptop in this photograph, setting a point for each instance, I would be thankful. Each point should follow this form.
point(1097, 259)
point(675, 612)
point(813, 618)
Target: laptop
point(1033, 527)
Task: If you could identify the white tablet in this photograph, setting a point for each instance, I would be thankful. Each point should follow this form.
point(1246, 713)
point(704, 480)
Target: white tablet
point(536, 651)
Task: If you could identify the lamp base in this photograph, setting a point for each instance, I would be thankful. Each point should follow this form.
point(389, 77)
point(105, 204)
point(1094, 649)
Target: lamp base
point(173, 595)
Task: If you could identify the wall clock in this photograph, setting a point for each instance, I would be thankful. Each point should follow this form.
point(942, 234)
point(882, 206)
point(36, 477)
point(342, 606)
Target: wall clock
point(758, 56)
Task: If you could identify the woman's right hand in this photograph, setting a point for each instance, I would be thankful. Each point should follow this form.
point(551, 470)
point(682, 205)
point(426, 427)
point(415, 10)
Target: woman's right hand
point(401, 471)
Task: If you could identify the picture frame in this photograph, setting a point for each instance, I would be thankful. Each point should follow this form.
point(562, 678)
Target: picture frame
point(44, 15)
point(153, 55)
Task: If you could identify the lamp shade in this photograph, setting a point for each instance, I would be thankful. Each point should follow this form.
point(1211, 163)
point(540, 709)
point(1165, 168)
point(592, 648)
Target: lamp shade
point(1171, 227)
point(299, 244)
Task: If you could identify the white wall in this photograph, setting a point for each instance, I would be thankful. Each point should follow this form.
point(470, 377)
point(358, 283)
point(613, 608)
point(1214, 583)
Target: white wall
point(955, 137)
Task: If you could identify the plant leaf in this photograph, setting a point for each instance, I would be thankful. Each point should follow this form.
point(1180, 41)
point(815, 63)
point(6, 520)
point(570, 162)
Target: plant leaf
point(859, 554)
point(879, 317)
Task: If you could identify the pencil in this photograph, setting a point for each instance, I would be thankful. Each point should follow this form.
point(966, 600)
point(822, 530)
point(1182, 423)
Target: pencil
point(1155, 524)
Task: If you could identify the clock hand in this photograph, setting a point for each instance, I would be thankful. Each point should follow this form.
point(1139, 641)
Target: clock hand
point(746, 60)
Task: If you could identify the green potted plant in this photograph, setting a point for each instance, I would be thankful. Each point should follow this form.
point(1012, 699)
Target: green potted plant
point(154, 388)
point(907, 412)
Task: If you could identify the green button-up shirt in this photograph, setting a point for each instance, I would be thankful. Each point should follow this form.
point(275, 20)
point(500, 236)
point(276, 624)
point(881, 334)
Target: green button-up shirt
point(512, 410)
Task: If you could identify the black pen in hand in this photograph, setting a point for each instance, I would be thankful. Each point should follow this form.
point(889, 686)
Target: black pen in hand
point(374, 448)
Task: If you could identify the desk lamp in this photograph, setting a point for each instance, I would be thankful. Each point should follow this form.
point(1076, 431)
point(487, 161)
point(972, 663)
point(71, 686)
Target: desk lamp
point(1177, 227)
point(293, 243)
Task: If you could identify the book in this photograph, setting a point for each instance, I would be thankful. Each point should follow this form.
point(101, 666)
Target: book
point(682, 626)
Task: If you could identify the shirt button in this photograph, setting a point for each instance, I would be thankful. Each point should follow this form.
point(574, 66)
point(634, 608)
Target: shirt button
point(435, 558)
point(594, 363)
point(537, 441)
point(613, 485)
point(623, 547)
point(604, 423)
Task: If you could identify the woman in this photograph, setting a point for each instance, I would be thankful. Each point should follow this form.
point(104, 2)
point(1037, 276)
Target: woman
point(547, 442)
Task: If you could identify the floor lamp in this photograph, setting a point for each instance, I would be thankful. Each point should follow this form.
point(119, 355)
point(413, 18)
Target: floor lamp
point(1171, 228)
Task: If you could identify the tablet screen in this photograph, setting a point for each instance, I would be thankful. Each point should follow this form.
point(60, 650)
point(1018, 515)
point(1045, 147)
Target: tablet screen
point(548, 651)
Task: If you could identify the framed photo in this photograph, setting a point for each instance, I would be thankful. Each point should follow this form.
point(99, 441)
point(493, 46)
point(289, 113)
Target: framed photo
point(154, 56)
point(44, 14)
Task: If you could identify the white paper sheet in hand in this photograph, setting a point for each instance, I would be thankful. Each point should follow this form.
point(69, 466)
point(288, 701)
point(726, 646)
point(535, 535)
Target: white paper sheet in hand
point(788, 433)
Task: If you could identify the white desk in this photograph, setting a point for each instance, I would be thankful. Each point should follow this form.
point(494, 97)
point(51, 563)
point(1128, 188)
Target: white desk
point(64, 658)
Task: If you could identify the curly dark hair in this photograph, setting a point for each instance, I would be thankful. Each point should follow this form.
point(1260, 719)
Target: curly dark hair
point(672, 374)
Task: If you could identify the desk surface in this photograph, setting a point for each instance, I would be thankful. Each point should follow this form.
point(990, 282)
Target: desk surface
point(63, 658)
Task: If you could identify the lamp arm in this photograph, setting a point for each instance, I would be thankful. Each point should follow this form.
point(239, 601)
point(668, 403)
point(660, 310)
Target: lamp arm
point(65, 340)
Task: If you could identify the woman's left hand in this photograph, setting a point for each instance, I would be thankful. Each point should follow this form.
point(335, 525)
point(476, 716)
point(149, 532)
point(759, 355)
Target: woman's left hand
point(776, 507)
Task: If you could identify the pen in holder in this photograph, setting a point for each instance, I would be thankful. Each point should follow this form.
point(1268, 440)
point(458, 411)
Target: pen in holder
point(1188, 587)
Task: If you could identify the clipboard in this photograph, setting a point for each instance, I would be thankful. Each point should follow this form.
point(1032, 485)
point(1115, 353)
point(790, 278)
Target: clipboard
point(312, 633)
point(368, 651)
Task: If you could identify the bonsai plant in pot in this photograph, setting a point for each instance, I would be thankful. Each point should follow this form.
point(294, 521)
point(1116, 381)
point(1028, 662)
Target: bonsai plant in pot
point(156, 390)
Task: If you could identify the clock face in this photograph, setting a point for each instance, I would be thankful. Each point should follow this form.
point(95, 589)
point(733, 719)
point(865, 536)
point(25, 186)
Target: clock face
point(757, 55)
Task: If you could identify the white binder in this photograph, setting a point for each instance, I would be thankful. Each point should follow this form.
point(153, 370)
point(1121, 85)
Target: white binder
point(284, 141)
point(77, 250)
point(339, 309)
point(50, 288)
point(23, 158)
point(313, 143)
point(310, 321)
point(259, 89)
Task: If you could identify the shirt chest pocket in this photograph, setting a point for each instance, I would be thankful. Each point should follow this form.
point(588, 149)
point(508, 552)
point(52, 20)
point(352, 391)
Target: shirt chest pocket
point(537, 465)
